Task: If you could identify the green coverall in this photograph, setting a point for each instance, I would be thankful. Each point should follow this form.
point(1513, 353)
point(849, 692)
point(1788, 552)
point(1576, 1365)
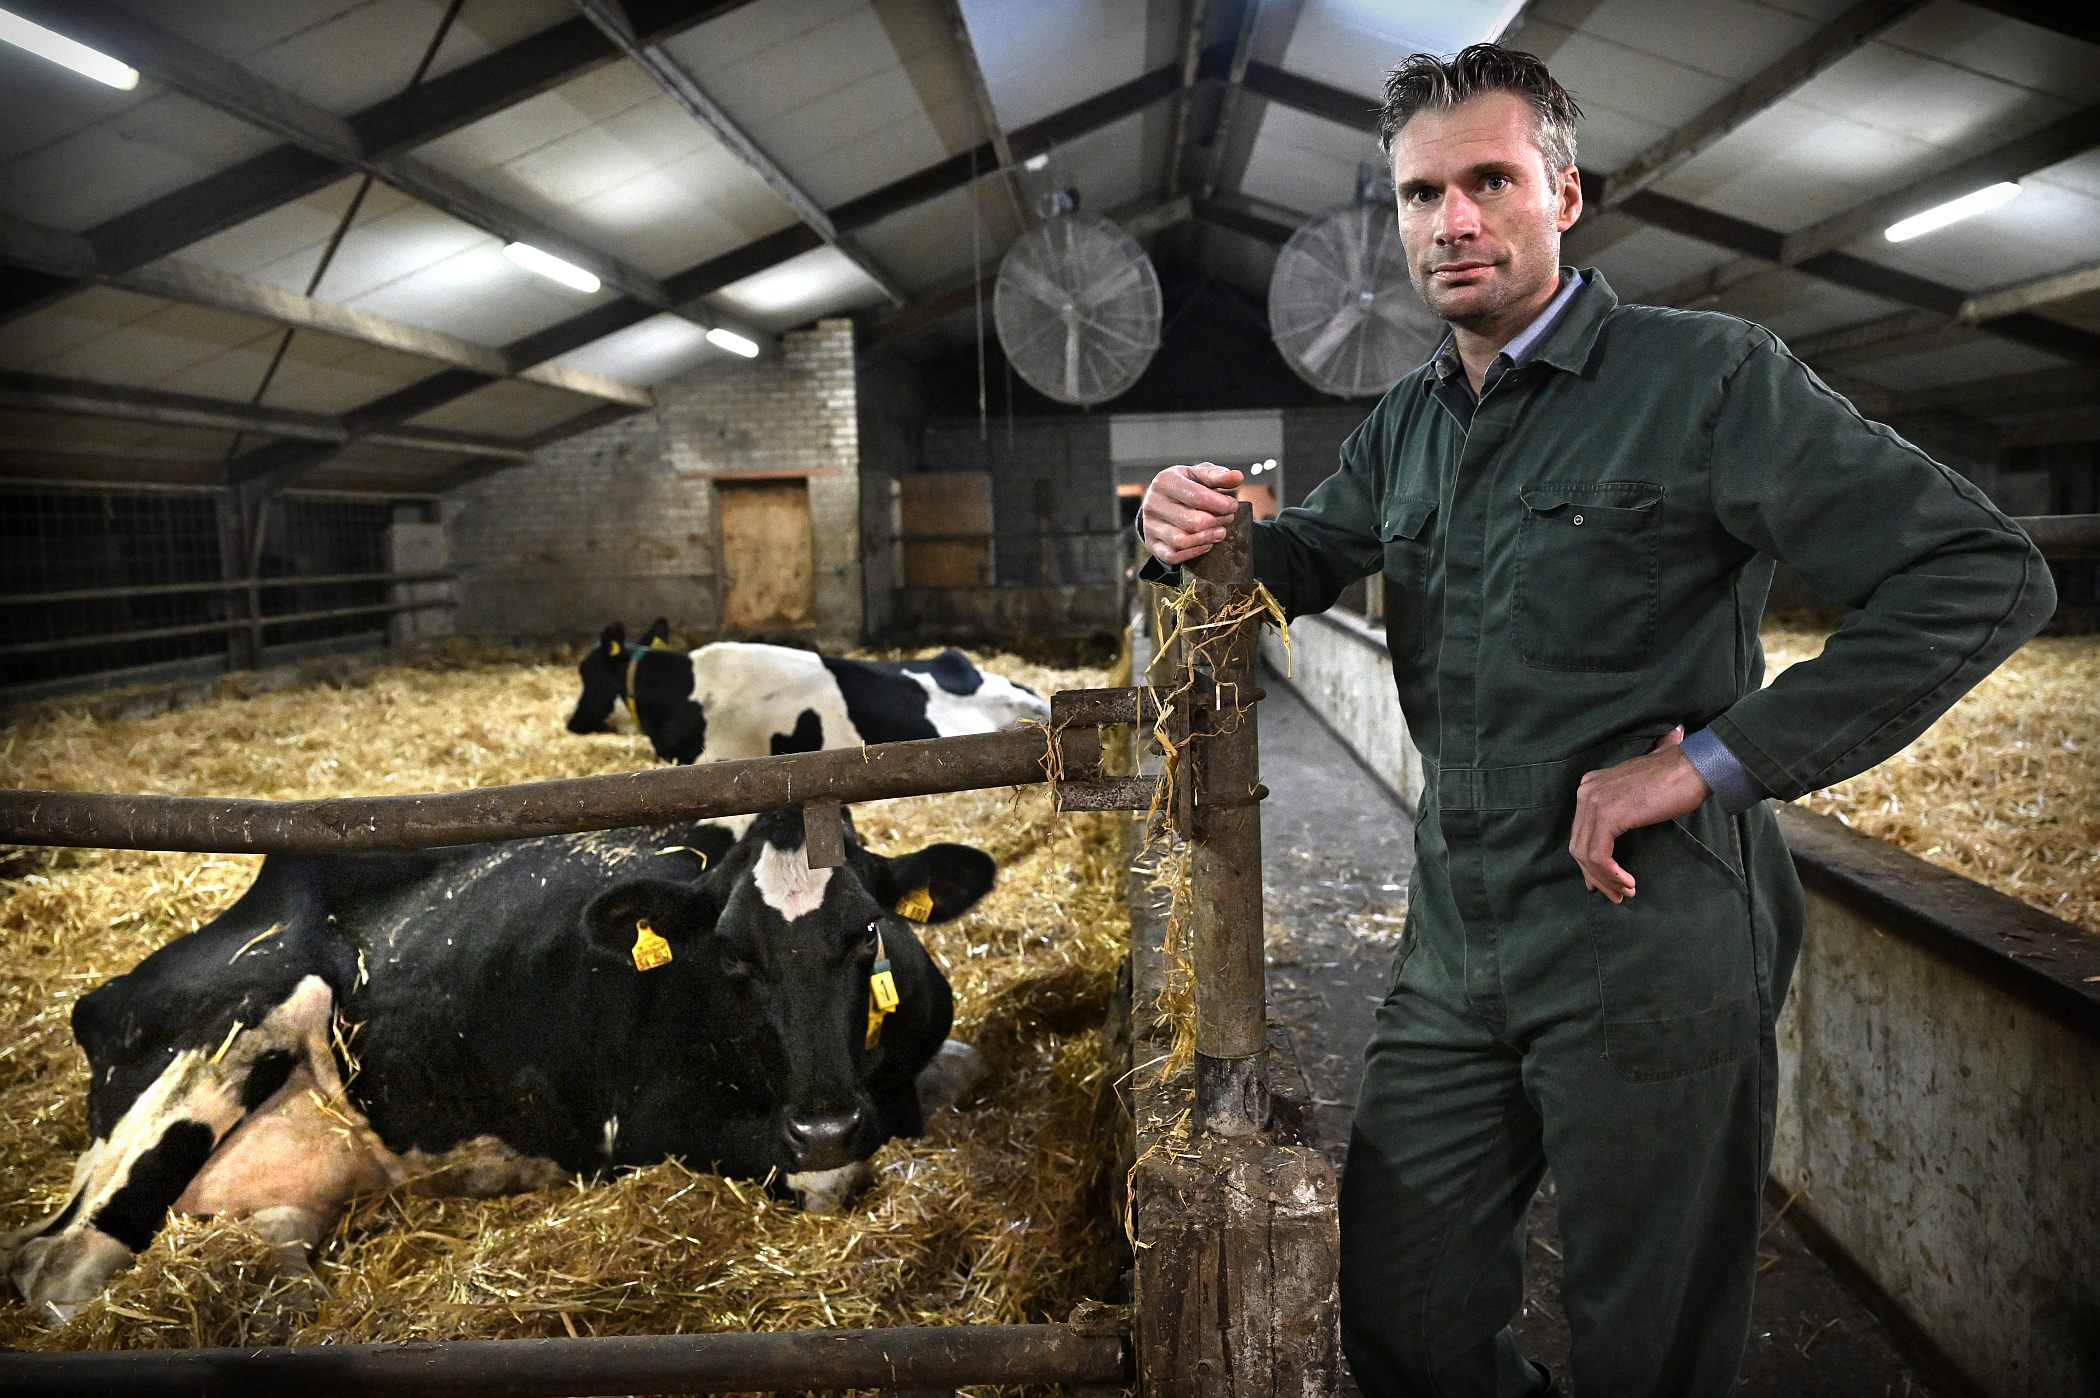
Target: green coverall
point(1572, 569)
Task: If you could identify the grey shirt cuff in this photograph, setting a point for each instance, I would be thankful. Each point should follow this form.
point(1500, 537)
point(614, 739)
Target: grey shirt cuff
point(1730, 782)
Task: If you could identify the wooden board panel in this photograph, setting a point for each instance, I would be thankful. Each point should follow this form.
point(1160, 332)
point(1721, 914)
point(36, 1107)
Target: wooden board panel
point(945, 504)
point(766, 571)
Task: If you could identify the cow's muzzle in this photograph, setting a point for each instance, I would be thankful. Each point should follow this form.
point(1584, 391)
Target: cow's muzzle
point(824, 1140)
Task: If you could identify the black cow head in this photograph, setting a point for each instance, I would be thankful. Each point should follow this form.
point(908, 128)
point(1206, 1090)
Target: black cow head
point(604, 674)
point(785, 959)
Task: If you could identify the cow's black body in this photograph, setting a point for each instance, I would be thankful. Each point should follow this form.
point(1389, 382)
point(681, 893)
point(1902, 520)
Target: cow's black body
point(491, 993)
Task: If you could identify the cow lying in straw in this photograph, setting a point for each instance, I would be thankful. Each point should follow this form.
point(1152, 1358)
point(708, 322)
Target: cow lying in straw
point(502, 1017)
point(738, 699)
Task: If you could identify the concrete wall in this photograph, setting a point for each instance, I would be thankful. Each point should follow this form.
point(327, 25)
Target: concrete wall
point(619, 522)
point(1339, 666)
point(994, 613)
point(417, 546)
point(1939, 1108)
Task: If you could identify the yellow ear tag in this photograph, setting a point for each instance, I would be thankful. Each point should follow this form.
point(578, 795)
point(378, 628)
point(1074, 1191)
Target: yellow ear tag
point(650, 950)
point(916, 905)
point(615, 648)
point(875, 1018)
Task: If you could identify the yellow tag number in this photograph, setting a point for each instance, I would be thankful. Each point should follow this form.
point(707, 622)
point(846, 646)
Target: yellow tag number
point(650, 950)
point(885, 987)
point(916, 905)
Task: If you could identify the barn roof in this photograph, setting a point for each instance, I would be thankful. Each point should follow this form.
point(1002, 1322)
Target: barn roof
point(353, 169)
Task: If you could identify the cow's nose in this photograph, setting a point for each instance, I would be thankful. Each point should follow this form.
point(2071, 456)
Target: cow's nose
point(822, 1140)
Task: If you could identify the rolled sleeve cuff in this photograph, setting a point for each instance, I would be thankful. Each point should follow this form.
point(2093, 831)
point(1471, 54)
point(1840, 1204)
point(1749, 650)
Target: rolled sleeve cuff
point(1730, 781)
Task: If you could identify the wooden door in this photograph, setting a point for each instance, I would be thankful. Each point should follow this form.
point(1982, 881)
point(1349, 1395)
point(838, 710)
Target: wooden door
point(947, 528)
point(766, 573)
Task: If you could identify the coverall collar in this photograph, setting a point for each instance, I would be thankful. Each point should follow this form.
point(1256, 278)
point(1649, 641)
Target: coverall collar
point(1570, 332)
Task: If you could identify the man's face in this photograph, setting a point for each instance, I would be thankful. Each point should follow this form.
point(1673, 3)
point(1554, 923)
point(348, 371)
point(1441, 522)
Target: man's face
point(1480, 214)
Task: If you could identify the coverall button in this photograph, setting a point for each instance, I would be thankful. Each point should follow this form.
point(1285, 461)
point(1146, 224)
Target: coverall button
point(1578, 519)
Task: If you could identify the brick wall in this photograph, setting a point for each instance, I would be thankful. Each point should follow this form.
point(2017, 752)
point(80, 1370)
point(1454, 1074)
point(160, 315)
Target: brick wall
point(619, 522)
point(1053, 495)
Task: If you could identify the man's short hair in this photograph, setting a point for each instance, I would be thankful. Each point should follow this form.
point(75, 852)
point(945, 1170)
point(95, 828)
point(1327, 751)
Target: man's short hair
point(1425, 82)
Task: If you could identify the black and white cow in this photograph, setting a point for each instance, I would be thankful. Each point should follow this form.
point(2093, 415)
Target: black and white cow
point(740, 699)
point(506, 1016)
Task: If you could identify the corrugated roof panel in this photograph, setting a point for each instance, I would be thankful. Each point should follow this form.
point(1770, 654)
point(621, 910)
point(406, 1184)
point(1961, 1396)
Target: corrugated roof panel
point(85, 173)
point(155, 348)
point(1038, 59)
point(800, 290)
point(320, 374)
point(805, 67)
point(78, 319)
point(1352, 43)
point(618, 162)
point(1650, 259)
point(300, 44)
point(478, 294)
point(1794, 305)
point(507, 408)
point(1994, 45)
point(1875, 122)
point(1985, 357)
point(88, 435)
point(1629, 99)
point(749, 30)
point(647, 353)
point(1303, 162)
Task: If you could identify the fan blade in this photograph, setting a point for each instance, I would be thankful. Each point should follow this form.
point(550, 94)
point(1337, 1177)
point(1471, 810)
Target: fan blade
point(1110, 284)
point(1330, 339)
point(1072, 360)
point(1033, 284)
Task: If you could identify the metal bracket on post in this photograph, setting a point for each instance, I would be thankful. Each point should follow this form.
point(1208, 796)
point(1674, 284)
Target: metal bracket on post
point(1232, 1086)
point(823, 834)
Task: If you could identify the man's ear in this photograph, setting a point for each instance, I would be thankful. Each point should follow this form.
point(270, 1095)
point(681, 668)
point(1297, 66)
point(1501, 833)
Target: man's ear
point(659, 633)
point(612, 638)
point(646, 923)
point(954, 877)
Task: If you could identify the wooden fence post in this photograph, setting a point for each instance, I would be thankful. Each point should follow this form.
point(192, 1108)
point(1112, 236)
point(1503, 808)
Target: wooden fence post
point(1237, 1244)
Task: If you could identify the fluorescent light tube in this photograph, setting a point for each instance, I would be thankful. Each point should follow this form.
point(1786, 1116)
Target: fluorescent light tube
point(733, 342)
point(550, 266)
point(1036, 161)
point(67, 53)
point(1952, 211)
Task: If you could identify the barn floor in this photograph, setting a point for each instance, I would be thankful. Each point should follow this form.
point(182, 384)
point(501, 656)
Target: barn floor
point(1337, 853)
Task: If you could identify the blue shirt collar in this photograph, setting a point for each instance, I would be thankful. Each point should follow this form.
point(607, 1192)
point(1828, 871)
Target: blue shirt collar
point(1522, 348)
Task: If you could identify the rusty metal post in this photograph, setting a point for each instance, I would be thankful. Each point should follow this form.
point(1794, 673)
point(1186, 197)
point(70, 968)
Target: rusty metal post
point(1232, 1086)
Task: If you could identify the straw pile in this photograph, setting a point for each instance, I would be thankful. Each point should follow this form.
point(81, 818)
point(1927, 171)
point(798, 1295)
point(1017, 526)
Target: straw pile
point(2004, 789)
point(995, 1216)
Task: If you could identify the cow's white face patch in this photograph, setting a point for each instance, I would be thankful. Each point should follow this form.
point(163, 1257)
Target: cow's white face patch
point(787, 883)
point(997, 703)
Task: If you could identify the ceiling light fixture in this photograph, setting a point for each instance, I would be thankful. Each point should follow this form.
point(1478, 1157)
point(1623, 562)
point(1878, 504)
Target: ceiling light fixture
point(1036, 161)
point(550, 266)
point(1952, 211)
point(67, 53)
point(733, 342)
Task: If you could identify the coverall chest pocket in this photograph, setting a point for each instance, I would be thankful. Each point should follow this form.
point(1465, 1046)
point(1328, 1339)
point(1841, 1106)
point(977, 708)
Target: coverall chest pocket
point(1587, 586)
point(1405, 532)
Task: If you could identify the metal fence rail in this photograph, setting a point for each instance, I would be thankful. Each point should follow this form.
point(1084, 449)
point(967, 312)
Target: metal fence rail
point(921, 1358)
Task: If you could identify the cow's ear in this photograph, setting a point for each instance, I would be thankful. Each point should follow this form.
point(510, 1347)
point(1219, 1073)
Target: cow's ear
point(954, 877)
point(612, 637)
point(647, 923)
point(659, 633)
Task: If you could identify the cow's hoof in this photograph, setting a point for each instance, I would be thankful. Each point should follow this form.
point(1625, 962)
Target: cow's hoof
point(955, 1072)
point(60, 1273)
point(829, 1191)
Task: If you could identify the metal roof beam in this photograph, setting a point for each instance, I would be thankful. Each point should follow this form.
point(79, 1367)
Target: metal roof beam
point(988, 112)
point(1194, 13)
point(386, 129)
point(2071, 21)
point(85, 398)
point(653, 59)
point(1904, 331)
point(1820, 50)
point(1235, 83)
point(69, 255)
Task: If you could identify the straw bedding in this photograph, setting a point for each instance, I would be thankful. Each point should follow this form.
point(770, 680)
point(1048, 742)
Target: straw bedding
point(995, 1216)
point(2004, 789)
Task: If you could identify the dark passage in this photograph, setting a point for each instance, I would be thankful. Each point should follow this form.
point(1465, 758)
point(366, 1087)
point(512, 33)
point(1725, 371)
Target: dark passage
point(1337, 851)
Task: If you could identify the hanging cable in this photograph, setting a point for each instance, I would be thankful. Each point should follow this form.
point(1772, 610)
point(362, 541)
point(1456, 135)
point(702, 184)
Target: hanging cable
point(977, 291)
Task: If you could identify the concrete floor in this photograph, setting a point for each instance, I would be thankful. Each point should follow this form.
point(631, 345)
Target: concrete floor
point(1337, 850)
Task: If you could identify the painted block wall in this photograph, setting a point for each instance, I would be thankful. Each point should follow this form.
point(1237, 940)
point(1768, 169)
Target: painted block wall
point(619, 522)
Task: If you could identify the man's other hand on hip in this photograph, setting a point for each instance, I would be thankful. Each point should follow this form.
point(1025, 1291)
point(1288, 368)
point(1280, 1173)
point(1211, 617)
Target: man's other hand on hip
point(1657, 786)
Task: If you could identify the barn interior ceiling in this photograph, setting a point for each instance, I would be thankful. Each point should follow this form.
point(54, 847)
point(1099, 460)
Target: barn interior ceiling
point(291, 251)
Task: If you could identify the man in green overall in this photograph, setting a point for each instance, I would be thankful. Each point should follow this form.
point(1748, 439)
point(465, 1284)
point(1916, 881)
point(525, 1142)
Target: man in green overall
point(1576, 505)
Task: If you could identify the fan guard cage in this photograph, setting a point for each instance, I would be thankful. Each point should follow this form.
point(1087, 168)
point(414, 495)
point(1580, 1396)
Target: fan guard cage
point(1341, 309)
point(1077, 308)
